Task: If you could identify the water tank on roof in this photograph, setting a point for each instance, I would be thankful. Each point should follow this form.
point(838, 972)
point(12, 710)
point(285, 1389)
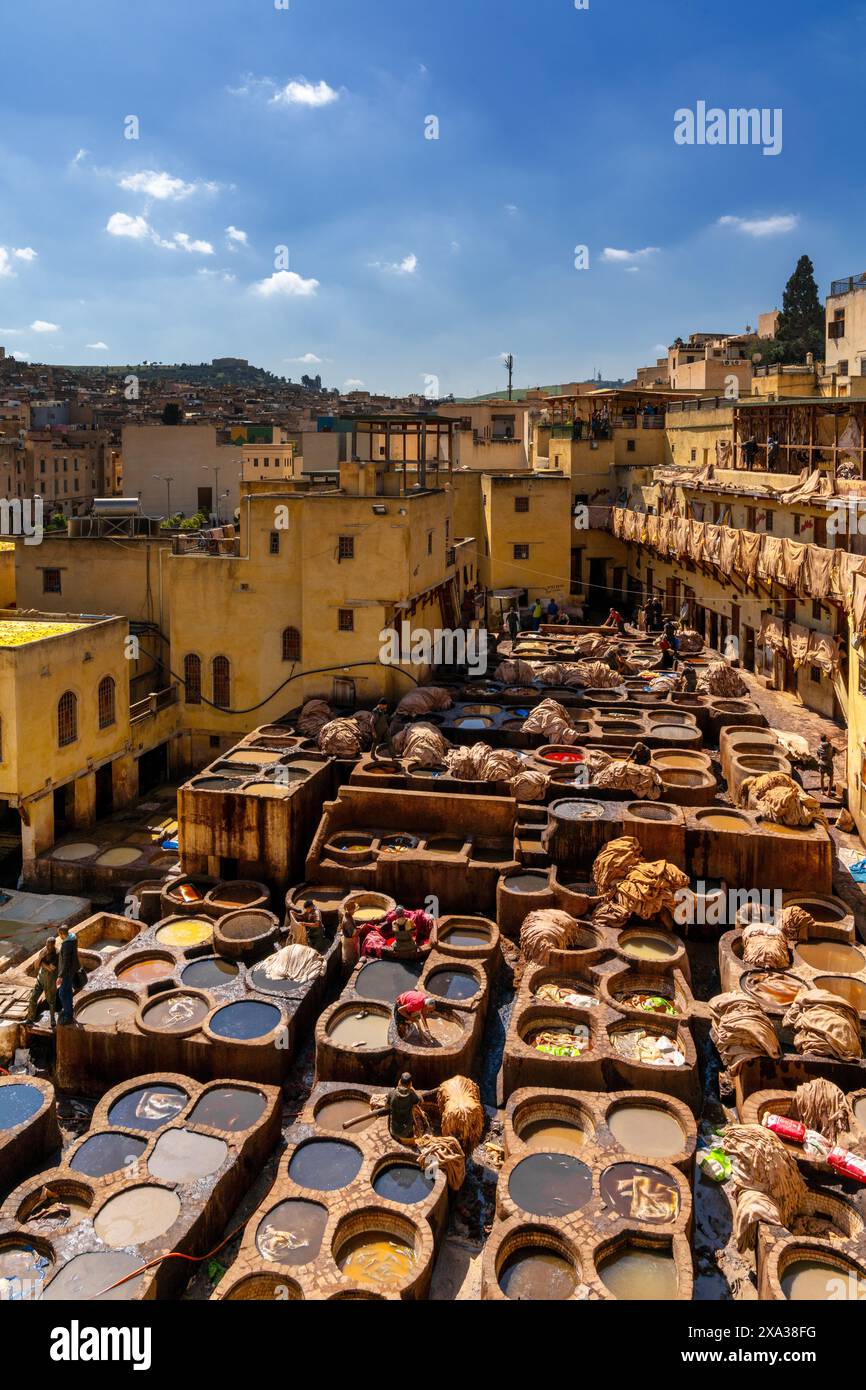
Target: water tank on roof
point(116, 506)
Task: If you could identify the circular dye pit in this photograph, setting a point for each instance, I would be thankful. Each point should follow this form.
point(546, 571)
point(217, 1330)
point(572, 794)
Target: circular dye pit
point(482, 709)
point(146, 970)
point(776, 988)
point(87, 1276)
point(398, 844)
point(564, 991)
point(472, 722)
point(820, 911)
point(105, 1011)
point(211, 972)
point(526, 883)
point(542, 1136)
point(251, 924)
point(18, 1102)
point(578, 810)
point(560, 1038)
point(253, 757)
point(402, 1182)
point(56, 1211)
point(136, 1216)
point(833, 956)
point(852, 991)
point(550, 1184)
point(263, 984)
point(333, 1114)
point(176, 1012)
point(452, 984)
point(69, 853)
point(360, 1029)
point(181, 1155)
point(811, 1279)
point(573, 756)
point(245, 1020)
point(106, 1153)
point(291, 1234)
point(445, 844)
point(647, 1046)
point(446, 1031)
point(646, 1130)
point(325, 1165)
point(118, 857)
point(185, 931)
point(640, 1193)
point(374, 1258)
point(634, 1272)
point(148, 1107)
point(230, 1108)
point(385, 979)
point(648, 945)
point(23, 1265)
point(276, 789)
point(216, 783)
point(465, 935)
point(647, 810)
point(722, 820)
point(537, 1275)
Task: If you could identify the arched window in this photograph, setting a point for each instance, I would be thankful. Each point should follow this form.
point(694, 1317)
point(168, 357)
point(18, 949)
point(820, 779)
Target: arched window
point(192, 679)
point(67, 719)
point(221, 673)
point(105, 696)
point(291, 644)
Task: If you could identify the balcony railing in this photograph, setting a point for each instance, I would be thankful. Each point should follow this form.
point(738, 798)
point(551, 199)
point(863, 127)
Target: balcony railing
point(848, 285)
point(150, 706)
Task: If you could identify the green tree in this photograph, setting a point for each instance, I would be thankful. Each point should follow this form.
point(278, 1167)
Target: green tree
point(801, 322)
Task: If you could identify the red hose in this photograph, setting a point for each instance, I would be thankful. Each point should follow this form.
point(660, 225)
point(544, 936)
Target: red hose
point(171, 1255)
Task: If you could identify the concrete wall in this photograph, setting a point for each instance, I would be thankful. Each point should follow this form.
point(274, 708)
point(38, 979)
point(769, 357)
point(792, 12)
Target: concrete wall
point(187, 454)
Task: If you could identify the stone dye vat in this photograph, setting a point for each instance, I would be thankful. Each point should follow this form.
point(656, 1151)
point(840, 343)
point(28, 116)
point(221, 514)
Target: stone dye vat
point(737, 846)
point(599, 1219)
point(167, 1180)
point(351, 1213)
point(604, 1023)
point(357, 1038)
point(262, 817)
point(28, 1125)
point(171, 1000)
point(393, 818)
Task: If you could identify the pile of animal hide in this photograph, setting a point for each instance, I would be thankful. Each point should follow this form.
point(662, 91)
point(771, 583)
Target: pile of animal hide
point(421, 744)
point(346, 737)
point(777, 797)
point(514, 671)
point(765, 1183)
point(313, 717)
point(545, 930)
point(722, 680)
point(551, 719)
point(423, 700)
point(690, 641)
point(822, 1106)
point(765, 947)
point(295, 962)
point(530, 784)
point(481, 763)
point(825, 1025)
point(634, 886)
point(640, 780)
point(614, 861)
point(741, 1030)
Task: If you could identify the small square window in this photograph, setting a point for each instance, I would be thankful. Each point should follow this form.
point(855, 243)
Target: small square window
point(429, 542)
point(817, 609)
point(815, 674)
point(770, 520)
point(521, 504)
point(345, 620)
point(274, 543)
point(521, 552)
point(51, 582)
point(346, 548)
point(630, 446)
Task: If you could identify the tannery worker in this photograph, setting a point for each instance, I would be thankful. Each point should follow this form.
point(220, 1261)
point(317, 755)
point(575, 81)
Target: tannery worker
point(418, 925)
point(69, 967)
point(615, 620)
point(382, 731)
point(401, 1103)
point(640, 754)
point(314, 930)
point(46, 984)
point(825, 754)
point(351, 946)
point(414, 1006)
point(690, 676)
point(512, 622)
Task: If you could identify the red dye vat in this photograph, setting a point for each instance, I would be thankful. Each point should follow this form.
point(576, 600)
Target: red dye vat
point(564, 757)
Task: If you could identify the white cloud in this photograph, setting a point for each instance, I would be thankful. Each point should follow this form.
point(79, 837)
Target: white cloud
point(79, 156)
point(660, 348)
point(407, 266)
point(236, 237)
point(512, 209)
point(632, 269)
point(21, 356)
point(40, 326)
point(353, 384)
point(762, 226)
point(612, 253)
point(121, 224)
point(287, 284)
point(161, 185)
point(309, 359)
point(98, 347)
point(300, 92)
point(225, 275)
point(15, 253)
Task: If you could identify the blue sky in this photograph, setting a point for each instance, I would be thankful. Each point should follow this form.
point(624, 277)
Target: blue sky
point(411, 257)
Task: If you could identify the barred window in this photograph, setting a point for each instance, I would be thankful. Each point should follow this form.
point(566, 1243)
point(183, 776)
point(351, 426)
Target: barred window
point(346, 547)
point(345, 620)
point(67, 719)
point(222, 682)
point(291, 644)
point(105, 700)
point(192, 679)
point(51, 582)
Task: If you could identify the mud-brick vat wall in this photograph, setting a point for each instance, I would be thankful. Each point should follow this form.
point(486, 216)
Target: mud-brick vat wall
point(259, 817)
point(161, 1169)
point(606, 967)
point(240, 1026)
point(463, 880)
point(28, 1125)
point(350, 1215)
point(826, 956)
point(357, 1038)
point(594, 1199)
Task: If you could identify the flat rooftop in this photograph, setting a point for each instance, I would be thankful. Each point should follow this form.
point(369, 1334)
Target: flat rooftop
point(16, 632)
